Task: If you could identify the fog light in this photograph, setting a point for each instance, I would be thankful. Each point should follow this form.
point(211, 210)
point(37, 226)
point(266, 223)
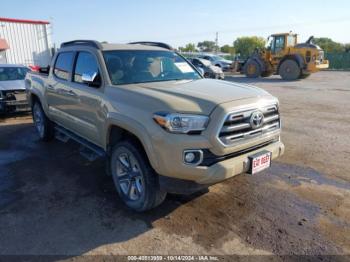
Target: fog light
point(193, 157)
point(189, 157)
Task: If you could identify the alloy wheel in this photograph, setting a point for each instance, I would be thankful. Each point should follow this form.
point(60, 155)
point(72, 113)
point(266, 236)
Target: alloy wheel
point(38, 120)
point(130, 177)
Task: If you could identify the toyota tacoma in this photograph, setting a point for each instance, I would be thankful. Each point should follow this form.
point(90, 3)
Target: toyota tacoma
point(162, 127)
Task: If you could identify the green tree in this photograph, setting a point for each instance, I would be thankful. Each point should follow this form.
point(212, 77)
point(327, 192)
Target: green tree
point(188, 48)
point(207, 46)
point(328, 45)
point(347, 48)
point(246, 45)
point(227, 49)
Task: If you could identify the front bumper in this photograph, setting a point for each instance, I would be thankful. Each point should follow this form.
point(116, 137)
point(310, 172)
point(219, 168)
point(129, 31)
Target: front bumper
point(172, 165)
point(14, 106)
point(12, 101)
point(216, 173)
point(236, 165)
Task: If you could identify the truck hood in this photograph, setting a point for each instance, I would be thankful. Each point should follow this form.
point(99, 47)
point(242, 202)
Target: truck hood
point(201, 95)
point(12, 85)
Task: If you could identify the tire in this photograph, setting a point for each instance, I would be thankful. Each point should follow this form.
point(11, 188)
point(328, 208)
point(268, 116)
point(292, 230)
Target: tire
point(289, 70)
point(43, 125)
point(135, 180)
point(252, 69)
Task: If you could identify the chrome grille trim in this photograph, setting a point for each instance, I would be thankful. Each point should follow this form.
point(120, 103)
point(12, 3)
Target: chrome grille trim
point(236, 127)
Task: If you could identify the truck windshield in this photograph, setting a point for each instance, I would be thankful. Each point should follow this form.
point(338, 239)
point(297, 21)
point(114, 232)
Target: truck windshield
point(12, 73)
point(140, 66)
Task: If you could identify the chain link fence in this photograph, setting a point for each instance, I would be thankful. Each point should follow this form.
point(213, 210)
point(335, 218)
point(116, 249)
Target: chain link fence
point(339, 61)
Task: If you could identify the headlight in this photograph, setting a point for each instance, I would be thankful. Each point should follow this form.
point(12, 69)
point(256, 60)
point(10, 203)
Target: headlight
point(181, 123)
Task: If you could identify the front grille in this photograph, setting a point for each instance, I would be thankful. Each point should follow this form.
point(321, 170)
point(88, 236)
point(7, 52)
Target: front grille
point(238, 127)
point(14, 95)
point(13, 101)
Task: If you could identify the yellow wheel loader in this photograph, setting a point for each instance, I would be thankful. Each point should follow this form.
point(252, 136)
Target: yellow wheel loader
point(285, 57)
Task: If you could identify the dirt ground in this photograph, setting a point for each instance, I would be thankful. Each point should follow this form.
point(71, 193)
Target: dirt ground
point(54, 202)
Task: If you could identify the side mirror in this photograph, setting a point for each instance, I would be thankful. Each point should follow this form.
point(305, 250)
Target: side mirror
point(201, 71)
point(44, 70)
point(90, 79)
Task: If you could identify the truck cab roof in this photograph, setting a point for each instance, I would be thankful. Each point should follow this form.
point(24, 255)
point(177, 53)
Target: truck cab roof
point(143, 45)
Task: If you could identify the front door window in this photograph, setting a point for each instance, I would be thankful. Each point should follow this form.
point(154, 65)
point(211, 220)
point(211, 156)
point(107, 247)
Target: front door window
point(279, 44)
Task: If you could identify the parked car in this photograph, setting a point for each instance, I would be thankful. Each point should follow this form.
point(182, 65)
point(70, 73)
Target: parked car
point(218, 61)
point(209, 70)
point(12, 89)
point(161, 125)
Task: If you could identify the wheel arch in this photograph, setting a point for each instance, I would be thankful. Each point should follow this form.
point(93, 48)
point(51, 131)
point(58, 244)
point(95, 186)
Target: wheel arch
point(121, 129)
point(32, 98)
point(37, 96)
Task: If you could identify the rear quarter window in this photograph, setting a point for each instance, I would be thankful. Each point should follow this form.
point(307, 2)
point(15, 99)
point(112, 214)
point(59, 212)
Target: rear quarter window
point(63, 65)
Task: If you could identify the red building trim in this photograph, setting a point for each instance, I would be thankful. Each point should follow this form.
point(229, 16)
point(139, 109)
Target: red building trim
point(12, 20)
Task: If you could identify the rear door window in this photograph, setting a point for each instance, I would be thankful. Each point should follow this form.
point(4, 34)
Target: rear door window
point(63, 65)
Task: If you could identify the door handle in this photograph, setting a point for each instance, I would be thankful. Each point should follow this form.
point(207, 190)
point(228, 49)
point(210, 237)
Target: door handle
point(50, 87)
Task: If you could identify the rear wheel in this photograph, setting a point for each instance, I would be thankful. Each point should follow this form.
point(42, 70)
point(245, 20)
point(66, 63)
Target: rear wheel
point(135, 180)
point(289, 70)
point(43, 125)
point(252, 69)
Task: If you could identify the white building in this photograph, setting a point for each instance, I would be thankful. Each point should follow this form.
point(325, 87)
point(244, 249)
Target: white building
point(25, 42)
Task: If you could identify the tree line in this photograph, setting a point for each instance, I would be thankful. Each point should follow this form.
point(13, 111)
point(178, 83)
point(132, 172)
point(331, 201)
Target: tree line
point(244, 46)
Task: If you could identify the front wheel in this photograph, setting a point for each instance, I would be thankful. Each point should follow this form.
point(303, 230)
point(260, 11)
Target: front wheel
point(43, 125)
point(135, 180)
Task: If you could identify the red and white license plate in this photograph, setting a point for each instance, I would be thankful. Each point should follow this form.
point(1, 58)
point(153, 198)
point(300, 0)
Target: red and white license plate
point(259, 162)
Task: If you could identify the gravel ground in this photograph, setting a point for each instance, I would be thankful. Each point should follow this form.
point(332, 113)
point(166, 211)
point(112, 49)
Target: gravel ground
point(54, 202)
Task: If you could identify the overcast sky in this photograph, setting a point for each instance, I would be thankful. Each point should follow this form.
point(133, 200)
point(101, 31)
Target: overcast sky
point(183, 21)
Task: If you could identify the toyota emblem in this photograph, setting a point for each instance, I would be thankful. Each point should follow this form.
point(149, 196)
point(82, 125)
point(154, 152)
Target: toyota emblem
point(256, 119)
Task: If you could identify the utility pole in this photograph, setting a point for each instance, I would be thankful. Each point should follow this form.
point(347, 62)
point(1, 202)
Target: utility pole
point(217, 42)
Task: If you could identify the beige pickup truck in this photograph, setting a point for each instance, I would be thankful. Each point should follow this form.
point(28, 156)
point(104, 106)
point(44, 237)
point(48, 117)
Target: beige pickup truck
point(162, 127)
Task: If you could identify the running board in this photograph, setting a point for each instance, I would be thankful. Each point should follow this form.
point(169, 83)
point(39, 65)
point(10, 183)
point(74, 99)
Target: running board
point(88, 150)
